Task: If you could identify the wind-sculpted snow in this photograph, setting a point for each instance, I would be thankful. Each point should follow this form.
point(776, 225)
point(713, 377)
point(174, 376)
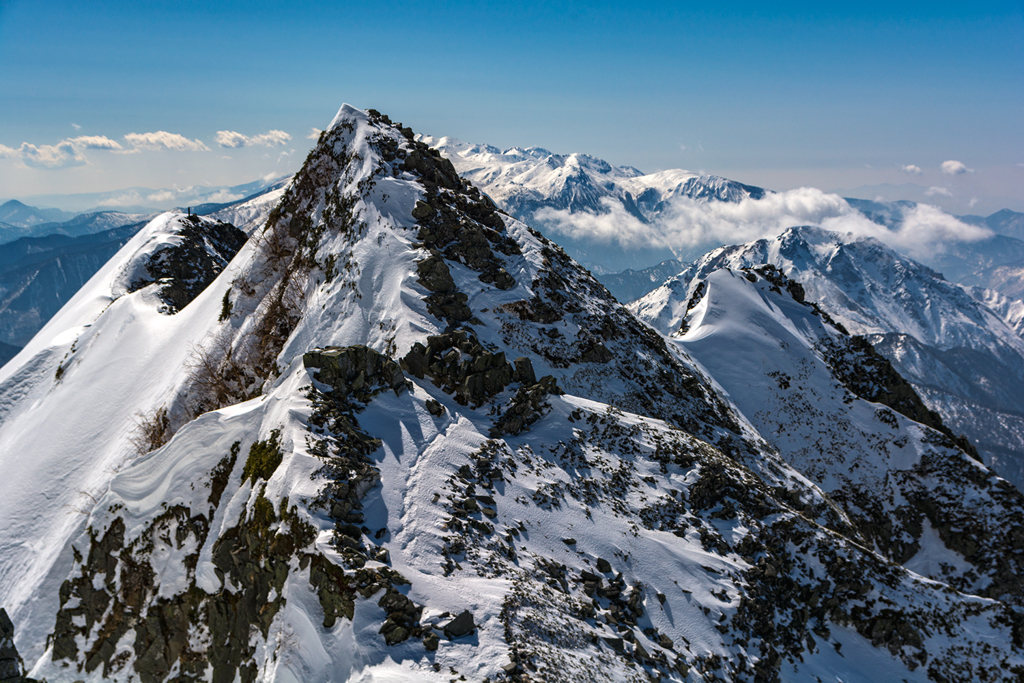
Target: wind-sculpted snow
point(71, 400)
point(402, 436)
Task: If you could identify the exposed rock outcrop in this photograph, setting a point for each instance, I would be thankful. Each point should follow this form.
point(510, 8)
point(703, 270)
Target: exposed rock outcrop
point(186, 268)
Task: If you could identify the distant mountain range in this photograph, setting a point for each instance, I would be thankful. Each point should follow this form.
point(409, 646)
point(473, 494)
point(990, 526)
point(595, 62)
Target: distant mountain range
point(633, 284)
point(542, 187)
point(140, 200)
point(960, 201)
point(14, 213)
point(39, 274)
point(960, 346)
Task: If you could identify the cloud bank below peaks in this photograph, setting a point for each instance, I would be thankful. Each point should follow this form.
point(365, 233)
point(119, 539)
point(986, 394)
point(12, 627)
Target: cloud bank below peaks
point(688, 226)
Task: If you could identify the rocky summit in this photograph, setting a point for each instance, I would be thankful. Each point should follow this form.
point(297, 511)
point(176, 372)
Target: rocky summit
point(396, 434)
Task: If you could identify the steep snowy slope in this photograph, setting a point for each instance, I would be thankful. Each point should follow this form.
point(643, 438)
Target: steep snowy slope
point(838, 413)
point(66, 426)
point(404, 437)
point(962, 357)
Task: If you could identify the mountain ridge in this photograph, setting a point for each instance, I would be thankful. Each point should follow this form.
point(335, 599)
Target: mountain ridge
point(402, 435)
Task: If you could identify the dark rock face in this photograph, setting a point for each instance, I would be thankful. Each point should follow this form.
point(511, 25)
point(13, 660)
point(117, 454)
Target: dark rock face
point(460, 365)
point(253, 559)
point(445, 301)
point(458, 223)
point(12, 669)
point(10, 662)
point(526, 407)
point(186, 269)
point(355, 374)
point(357, 370)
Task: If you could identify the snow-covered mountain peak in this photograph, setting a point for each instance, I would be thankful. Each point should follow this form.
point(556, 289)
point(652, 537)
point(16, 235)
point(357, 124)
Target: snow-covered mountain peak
point(863, 284)
point(403, 436)
point(937, 333)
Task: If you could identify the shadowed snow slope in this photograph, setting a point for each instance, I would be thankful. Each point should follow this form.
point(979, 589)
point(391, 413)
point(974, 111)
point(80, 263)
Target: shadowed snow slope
point(402, 436)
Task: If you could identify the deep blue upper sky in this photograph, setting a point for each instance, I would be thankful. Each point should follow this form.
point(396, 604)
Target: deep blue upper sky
point(777, 94)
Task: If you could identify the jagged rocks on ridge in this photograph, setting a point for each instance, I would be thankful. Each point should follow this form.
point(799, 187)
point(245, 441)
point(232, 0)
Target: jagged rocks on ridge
point(187, 265)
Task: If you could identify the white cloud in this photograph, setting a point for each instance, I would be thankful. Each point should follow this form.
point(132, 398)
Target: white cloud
point(270, 138)
point(174, 196)
point(230, 138)
point(222, 197)
point(688, 224)
point(938, 191)
point(973, 202)
point(126, 199)
point(163, 140)
point(62, 155)
point(65, 154)
point(953, 167)
point(76, 126)
point(161, 197)
point(912, 169)
point(94, 142)
point(314, 134)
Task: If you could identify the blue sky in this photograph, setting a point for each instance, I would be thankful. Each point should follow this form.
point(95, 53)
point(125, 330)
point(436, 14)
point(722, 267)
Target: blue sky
point(781, 95)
